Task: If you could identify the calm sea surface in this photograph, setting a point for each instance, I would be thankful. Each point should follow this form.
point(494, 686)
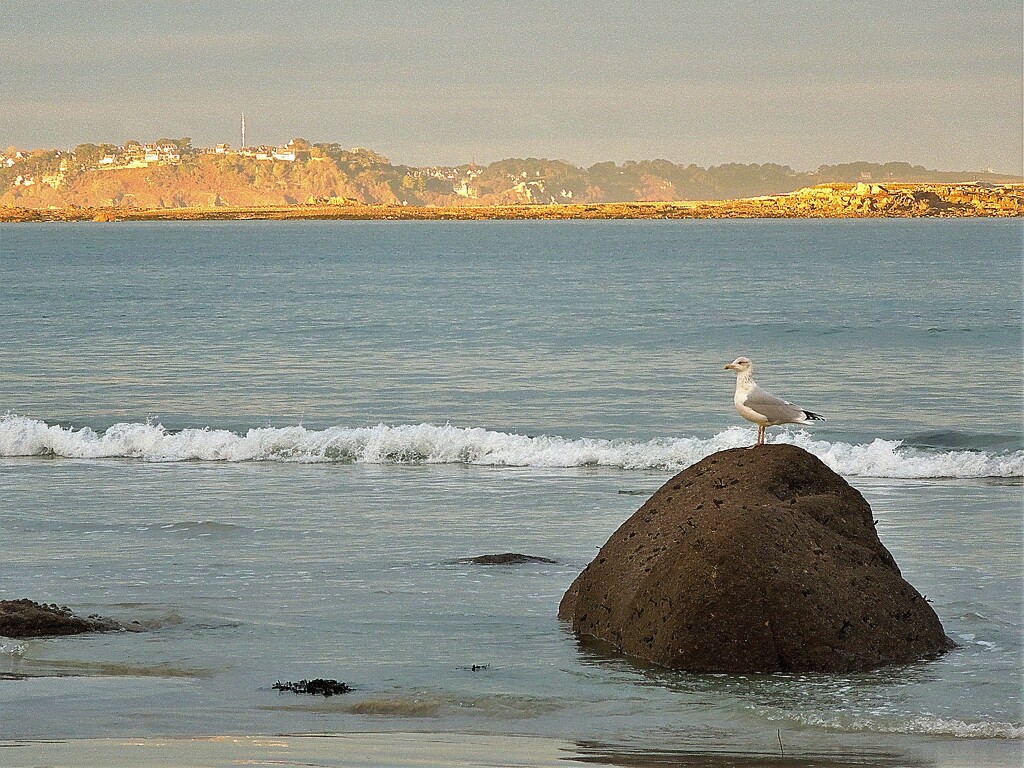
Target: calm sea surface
point(271, 443)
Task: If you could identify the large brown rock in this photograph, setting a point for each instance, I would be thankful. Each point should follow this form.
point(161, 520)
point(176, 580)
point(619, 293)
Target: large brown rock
point(754, 560)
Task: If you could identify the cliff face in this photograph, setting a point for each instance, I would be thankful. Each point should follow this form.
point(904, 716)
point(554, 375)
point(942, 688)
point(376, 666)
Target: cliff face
point(206, 182)
point(754, 560)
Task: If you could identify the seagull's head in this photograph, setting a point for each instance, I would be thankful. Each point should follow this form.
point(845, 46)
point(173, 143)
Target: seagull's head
point(740, 365)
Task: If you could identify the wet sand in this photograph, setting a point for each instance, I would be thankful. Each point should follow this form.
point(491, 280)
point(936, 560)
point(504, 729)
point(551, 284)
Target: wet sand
point(408, 750)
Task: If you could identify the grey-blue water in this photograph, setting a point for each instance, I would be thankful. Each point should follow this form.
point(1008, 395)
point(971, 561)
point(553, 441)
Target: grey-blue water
point(271, 442)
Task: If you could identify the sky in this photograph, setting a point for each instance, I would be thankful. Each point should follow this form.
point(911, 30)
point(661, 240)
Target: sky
point(932, 82)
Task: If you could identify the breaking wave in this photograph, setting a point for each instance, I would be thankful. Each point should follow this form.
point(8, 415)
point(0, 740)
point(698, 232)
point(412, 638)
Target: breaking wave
point(922, 725)
point(447, 444)
point(12, 649)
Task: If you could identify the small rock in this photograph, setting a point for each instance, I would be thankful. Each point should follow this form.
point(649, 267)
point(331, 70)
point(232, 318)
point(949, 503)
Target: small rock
point(505, 558)
point(27, 618)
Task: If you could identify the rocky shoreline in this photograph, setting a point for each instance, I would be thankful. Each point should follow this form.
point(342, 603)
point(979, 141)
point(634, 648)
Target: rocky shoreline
point(840, 201)
point(25, 618)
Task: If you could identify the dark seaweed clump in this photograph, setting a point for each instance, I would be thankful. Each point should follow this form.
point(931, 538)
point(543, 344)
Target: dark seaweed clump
point(317, 687)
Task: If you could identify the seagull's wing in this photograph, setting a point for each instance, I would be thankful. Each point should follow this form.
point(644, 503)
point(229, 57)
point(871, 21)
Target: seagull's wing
point(775, 409)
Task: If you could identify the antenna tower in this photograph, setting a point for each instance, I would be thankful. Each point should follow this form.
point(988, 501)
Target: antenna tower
point(243, 130)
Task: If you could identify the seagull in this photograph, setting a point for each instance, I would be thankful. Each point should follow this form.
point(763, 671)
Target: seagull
point(764, 408)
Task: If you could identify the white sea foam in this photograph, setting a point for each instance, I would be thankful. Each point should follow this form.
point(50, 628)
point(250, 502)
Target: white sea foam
point(12, 649)
point(434, 444)
point(923, 725)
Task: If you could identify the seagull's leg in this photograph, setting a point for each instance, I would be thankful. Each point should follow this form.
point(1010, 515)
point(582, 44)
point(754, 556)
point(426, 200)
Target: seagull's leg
point(760, 434)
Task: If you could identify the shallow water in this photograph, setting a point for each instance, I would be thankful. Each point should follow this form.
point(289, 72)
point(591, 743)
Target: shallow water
point(192, 442)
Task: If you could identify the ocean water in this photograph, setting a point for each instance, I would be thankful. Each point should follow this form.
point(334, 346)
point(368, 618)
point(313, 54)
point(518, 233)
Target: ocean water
point(272, 443)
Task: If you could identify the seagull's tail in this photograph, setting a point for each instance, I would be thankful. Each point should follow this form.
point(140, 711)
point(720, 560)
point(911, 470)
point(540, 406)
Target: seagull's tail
point(812, 416)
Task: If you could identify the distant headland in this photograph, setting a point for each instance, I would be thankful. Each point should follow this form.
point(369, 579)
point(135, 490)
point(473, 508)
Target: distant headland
point(846, 201)
point(171, 179)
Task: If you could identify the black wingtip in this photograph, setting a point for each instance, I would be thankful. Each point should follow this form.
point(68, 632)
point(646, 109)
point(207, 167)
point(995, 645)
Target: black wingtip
point(812, 416)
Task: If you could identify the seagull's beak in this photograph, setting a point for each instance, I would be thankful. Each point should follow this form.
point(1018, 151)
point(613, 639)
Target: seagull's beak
point(729, 367)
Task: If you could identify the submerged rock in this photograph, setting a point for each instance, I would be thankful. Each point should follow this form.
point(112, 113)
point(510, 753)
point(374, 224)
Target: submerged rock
point(27, 618)
point(505, 558)
point(754, 560)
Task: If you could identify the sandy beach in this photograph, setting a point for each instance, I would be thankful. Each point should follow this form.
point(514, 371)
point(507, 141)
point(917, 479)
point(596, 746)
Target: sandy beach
point(415, 750)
